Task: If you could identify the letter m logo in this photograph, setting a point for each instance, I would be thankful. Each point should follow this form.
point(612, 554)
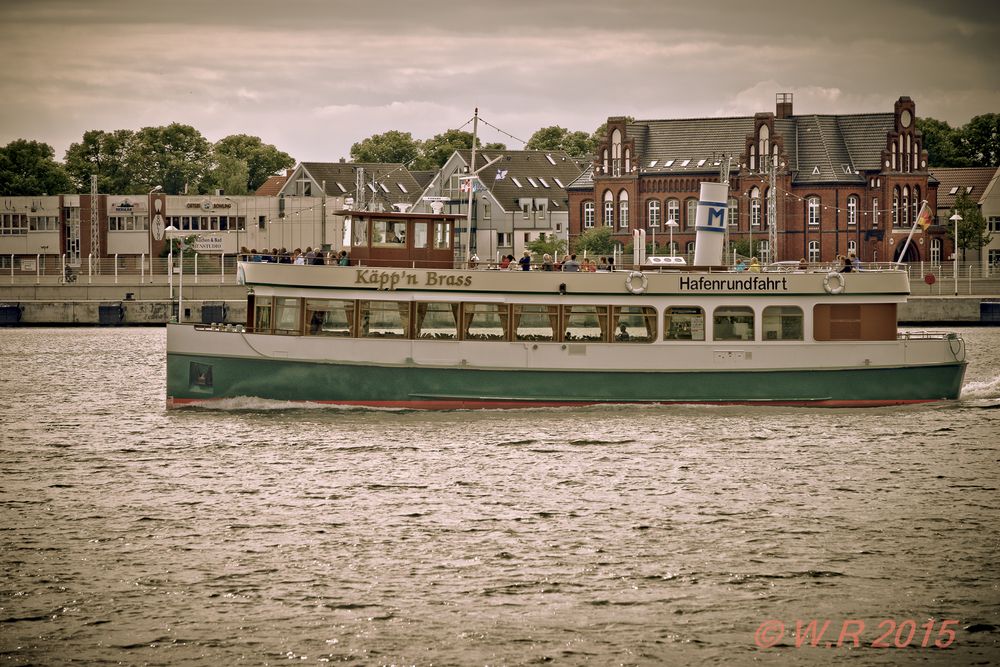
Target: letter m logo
point(716, 217)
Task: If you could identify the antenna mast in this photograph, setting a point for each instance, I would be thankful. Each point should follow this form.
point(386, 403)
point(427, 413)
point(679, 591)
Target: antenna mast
point(472, 171)
point(95, 231)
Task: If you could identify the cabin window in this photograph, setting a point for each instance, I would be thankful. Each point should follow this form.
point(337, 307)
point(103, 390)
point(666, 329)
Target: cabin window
point(732, 323)
point(634, 324)
point(420, 238)
point(535, 322)
point(586, 323)
point(438, 321)
point(854, 321)
point(329, 317)
point(484, 321)
point(286, 316)
point(360, 229)
point(385, 319)
point(782, 323)
point(388, 233)
point(683, 323)
point(262, 316)
point(442, 235)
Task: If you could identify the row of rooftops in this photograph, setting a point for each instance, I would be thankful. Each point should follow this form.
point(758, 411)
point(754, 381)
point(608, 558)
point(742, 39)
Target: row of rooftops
point(819, 148)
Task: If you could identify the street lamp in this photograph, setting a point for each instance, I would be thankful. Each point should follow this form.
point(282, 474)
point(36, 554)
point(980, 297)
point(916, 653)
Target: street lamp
point(671, 224)
point(956, 219)
point(155, 225)
point(168, 233)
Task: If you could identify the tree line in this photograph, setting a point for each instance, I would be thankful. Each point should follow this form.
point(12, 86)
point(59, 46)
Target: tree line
point(178, 158)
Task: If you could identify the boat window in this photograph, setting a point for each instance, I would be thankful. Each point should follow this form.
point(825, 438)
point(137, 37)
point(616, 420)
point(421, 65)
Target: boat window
point(329, 317)
point(535, 322)
point(782, 323)
point(442, 235)
point(419, 234)
point(360, 229)
point(634, 324)
point(388, 233)
point(437, 320)
point(262, 315)
point(683, 323)
point(585, 323)
point(732, 323)
point(385, 319)
point(854, 321)
point(484, 321)
point(286, 316)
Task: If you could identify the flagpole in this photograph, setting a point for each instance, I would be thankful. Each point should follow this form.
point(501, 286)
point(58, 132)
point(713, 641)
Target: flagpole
point(472, 170)
point(909, 237)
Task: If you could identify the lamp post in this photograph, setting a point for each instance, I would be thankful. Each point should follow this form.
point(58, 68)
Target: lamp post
point(168, 233)
point(45, 251)
point(671, 224)
point(956, 219)
point(155, 223)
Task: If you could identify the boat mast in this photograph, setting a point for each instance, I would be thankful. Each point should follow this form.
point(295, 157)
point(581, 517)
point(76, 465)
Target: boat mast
point(472, 171)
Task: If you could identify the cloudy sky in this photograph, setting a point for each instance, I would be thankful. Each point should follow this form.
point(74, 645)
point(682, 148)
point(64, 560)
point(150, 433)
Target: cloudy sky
point(315, 76)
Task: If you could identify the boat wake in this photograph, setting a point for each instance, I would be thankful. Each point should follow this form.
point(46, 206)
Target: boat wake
point(980, 390)
point(252, 404)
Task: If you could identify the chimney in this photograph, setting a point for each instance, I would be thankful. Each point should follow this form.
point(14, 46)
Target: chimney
point(783, 105)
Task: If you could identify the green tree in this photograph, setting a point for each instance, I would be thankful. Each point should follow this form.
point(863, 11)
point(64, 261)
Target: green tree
point(972, 231)
point(548, 243)
point(942, 143)
point(391, 146)
point(435, 151)
point(743, 248)
point(601, 133)
point(262, 160)
point(596, 241)
point(29, 168)
point(980, 140)
point(175, 156)
point(230, 175)
point(106, 154)
point(556, 138)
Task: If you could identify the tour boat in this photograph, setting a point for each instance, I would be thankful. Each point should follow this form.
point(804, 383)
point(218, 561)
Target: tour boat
point(402, 327)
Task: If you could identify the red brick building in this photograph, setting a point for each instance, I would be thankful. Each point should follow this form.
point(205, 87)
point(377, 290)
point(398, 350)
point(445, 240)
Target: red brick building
point(843, 183)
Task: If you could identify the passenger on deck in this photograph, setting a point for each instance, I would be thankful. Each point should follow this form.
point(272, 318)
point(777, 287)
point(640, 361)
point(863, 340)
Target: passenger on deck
point(589, 266)
point(546, 262)
point(603, 264)
point(803, 265)
point(525, 261)
point(343, 260)
point(847, 265)
point(474, 261)
point(855, 262)
point(570, 263)
point(505, 261)
point(754, 265)
point(740, 266)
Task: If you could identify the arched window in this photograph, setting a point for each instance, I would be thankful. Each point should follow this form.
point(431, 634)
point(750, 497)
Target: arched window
point(616, 153)
point(895, 206)
point(623, 209)
point(588, 214)
point(908, 151)
point(852, 247)
point(814, 251)
point(916, 202)
point(812, 204)
point(852, 210)
point(875, 213)
point(734, 212)
point(764, 146)
point(606, 161)
point(764, 250)
point(674, 210)
point(692, 211)
point(609, 209)
point(628, 161)
point(653, 213)
point(755, 206)
point(690, 248)
point(906, 205)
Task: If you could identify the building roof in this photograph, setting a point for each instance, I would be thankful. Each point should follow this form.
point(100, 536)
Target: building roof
point(394, 184)
point(821, 148)
point(272, 186)
point(518, 174)
point(973, 180)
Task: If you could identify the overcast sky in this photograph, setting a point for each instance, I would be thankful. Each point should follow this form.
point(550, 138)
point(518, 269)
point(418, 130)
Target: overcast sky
point(313, 77)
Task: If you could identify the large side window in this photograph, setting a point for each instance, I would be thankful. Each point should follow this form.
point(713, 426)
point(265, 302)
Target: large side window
point(683, 323)
point(585, 323)
point(286, 316)
point(782, 323)
point(484, 321)
point(437, 320)
point(634, 324)
point(732, 323)
point(535, 322)
point(262, 315)
point(329, 317)
point(854, 321)
point(385, 319)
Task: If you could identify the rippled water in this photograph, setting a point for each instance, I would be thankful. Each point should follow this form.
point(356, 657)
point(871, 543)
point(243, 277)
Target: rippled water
point(661, 535)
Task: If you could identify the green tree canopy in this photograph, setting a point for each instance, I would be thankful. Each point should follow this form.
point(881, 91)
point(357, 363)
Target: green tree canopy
point(941, 141)
point(556, 138)
point(391, 146)
point(262, 160)
point(29, 168)
point(230, 175)
point(596, 241)
point(175, 156)
point(980, 140)
point(548, 243)
point(106, 154)
point(435, 151)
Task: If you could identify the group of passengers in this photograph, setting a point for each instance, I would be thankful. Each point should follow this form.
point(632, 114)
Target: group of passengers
point(309, 256)
point(569, 263)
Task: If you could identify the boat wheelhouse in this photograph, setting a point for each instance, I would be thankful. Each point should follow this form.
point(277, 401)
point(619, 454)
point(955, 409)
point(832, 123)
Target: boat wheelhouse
point(445, 338)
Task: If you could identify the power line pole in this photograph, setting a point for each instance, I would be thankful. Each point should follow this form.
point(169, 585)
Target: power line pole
point(772, 210)
point(95, 230)
point(472, 171)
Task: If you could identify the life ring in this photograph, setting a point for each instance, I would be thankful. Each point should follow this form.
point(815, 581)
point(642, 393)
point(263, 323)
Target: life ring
point(834, 282)
point(630, 282)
